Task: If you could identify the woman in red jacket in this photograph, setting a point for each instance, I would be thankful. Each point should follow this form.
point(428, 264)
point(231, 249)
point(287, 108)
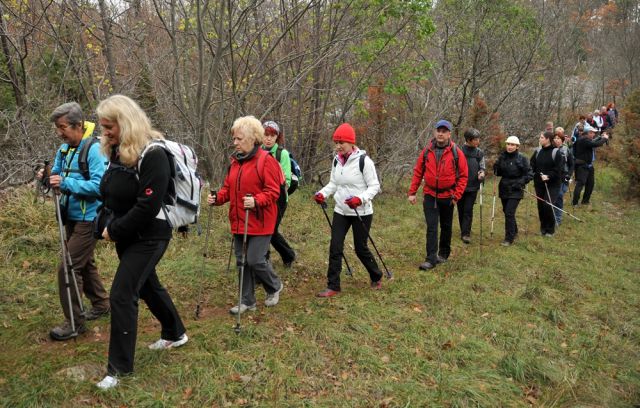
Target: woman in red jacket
point(253, 182)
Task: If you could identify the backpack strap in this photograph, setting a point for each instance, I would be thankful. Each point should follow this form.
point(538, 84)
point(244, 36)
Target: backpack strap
point(554, 153)
point(425, 155)
point(278, 155)
point(361, 160)
point(83, 162)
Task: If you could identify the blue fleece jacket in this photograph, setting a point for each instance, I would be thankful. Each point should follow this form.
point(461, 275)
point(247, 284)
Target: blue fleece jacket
point(80, 196)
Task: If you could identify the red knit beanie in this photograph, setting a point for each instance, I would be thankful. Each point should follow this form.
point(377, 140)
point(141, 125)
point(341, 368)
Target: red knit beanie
point(345, 133)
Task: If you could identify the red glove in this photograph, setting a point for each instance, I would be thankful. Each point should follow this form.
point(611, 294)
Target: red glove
point(353, 202)
point(319, 198)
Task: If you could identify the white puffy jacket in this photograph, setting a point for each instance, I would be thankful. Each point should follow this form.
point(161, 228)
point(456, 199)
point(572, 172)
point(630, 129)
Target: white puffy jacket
point(347, 181)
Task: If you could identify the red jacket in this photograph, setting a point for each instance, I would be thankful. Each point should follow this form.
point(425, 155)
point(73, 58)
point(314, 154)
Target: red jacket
point(259, 175)
point(440, 179)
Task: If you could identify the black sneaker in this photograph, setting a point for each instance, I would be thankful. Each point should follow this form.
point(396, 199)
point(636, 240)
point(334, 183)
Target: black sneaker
point(289, 264)
point(466, 239)
point(426, 266)
point(64, 332)
point(94, 313)
point(440, 259)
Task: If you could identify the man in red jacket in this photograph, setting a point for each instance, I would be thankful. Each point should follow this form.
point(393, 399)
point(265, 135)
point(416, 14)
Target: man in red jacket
point(443, 168)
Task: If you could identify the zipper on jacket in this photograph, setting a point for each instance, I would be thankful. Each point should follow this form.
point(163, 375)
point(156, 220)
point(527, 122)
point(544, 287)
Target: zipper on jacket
point(435, 156)
point(237, 192)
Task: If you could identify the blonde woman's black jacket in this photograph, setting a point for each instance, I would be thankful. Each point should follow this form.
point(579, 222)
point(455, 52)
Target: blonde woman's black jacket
point(136, 197)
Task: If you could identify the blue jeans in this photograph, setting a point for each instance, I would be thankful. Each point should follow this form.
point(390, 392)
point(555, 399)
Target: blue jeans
point(559, 202)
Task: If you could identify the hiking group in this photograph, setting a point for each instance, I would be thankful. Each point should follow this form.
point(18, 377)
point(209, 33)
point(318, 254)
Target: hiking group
point(124, 188)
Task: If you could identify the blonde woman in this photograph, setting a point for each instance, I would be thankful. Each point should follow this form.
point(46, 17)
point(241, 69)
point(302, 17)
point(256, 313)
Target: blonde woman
point(133, 192)
point(252, 183)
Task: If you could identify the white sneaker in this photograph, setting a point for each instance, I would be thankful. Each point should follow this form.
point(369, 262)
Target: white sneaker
point(243, 308)
point(274, 298)
point(107, 383)
point(163, 344)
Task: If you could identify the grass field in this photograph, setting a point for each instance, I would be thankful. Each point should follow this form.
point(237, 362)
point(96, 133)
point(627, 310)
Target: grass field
point(546, 322)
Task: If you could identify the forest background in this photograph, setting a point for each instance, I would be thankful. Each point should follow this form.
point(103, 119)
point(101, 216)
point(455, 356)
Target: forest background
point(391, 68)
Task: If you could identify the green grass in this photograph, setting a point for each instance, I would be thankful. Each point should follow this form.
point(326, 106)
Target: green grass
point(550, 322)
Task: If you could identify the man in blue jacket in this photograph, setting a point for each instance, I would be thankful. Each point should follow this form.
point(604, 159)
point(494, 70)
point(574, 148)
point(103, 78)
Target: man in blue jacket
point(76, 176)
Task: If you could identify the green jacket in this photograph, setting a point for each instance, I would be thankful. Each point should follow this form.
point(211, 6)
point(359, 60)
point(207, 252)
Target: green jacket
point(285, 162)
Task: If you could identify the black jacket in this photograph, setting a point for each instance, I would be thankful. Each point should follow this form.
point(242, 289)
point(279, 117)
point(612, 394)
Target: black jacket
point(543, 162)
point(475, 163)
point(583, 149)
point(136, 198)
point(515, 172)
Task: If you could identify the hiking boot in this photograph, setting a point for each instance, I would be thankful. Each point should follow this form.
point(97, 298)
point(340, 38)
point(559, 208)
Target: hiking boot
point(163, 344)
point(376, 285)
point(466, 239)
point(426, 266)
point(243, 308)
point(505, 243)
point(328, 293)
point(94, 313)
point(274, 298)
point(64, 332)
point(441, 259)
point(107, 383)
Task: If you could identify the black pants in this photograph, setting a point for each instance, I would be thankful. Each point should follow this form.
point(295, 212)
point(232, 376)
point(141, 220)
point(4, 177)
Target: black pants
point(465, 212)
point(509, 207)
point(339, 229)
point(545, 211)
point(585, 177)
point(279, 243)
point(136, 278)
point(438, 211)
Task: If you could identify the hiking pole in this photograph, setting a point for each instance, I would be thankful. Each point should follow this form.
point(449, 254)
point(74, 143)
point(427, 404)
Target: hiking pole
point(67, 266)
point(386, 270)
point(230, 254)
point(559, 209)
point(481, 184)
point(344, 258)
point(552, 206)
point(244, 259)
point(493, 206)
point(200, 299)
point(42, 185)
point(528, 211)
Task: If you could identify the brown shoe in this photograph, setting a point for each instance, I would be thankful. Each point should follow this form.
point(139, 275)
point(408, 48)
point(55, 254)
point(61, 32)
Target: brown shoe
point(94, 313)
point(64, 332)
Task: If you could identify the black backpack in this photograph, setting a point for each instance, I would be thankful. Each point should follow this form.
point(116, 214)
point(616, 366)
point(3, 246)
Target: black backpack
point(454, 150)
point(296, 171)
point(83, 154)
point(360, 162)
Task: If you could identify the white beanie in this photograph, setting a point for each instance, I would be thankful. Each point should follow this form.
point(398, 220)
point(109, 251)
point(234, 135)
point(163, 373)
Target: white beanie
point(513, 140)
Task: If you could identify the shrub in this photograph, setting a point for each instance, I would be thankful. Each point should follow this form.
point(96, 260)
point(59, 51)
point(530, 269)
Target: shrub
point(626, 155)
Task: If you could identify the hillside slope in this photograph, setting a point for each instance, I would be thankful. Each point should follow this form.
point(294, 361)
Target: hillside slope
point(548, 322)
